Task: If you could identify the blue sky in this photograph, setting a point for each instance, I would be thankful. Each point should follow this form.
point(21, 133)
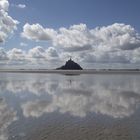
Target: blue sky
point(52, 13)
point(56, 14)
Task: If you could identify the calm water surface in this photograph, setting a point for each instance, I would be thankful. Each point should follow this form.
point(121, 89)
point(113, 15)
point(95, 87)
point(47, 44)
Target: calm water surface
point(59, 107)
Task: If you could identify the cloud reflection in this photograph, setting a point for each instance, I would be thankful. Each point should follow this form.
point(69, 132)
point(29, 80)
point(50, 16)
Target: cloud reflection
point(7, 116)
point(117, 105)
point(116, 96)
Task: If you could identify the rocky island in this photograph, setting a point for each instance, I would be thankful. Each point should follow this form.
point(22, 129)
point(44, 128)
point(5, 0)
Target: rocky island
point(70, 65)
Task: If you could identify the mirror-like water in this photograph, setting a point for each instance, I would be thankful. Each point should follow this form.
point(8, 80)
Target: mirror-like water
point(59, 107)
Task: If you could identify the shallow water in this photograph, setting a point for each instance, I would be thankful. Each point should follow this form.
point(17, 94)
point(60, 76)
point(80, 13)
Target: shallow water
point(59, 107)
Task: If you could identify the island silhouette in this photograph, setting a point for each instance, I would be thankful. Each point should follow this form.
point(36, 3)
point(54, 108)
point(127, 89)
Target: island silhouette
point(70, 65)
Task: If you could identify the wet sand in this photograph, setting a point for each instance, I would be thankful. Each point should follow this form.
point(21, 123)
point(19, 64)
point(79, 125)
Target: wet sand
point(89, 129)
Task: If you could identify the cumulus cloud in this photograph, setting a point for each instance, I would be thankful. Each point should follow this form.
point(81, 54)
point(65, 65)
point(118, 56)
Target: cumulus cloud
point(40, 55)
point(4, 5)
point(52, 52)
point(21, 6)
point(135, 56)
point(16, 56)
point(116, 37)
point(79, 37)
point(37, 32)
point(7, 23)
point(116, 43)
point(106, 57)
point(37, 52)
point(3, 55)
point(36, 55)
point(113, 44)
point(76, 38)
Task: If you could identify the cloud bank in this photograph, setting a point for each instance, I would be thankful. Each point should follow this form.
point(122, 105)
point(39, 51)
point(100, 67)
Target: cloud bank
point(116, 43)
point(113, 44)
point(34, 56)
point(114, 37)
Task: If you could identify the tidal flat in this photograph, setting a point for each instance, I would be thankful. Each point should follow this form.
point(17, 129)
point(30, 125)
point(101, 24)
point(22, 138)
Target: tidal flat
point(40, 106)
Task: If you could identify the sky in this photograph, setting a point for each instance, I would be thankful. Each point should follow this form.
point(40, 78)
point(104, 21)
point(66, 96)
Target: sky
point(46, 33)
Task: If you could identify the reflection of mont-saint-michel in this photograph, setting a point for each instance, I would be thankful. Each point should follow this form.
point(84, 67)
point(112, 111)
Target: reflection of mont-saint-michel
point(70, 65)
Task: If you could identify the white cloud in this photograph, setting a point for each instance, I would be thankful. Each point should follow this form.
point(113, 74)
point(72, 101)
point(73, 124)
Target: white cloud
point(116, 43)
point(40, 55)
point(3, 55)
point(16, 55)
point(37, 53)
point(115, 37)
point(7, 23)
point(35, 56)
point(110, 38)
point(76, 38)
point(4, 5)
point(51, 52)
point(135, 56)
point(106, 57)
point(22, 6)
point(37, 32)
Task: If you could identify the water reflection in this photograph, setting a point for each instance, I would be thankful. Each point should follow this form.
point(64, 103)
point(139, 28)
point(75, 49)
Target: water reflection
point(7, 116)
point(117, 96)
point(118, 104)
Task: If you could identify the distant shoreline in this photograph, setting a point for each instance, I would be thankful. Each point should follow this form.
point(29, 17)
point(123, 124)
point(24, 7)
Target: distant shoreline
point(72, 72)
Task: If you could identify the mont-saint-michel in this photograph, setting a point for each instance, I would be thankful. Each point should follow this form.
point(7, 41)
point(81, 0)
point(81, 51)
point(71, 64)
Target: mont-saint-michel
point(70, 65)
